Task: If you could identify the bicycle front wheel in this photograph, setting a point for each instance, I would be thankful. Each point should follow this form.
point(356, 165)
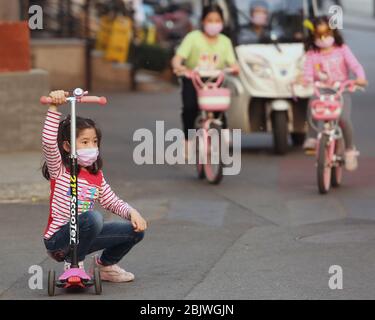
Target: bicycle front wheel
point(214, 165)
point(324, 170)
point(337, 170)
point(199, 149)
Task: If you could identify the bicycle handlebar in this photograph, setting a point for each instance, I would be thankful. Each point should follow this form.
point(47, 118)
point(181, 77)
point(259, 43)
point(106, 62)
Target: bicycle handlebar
point(86, 99)
point(341, 87)
point(206, 73)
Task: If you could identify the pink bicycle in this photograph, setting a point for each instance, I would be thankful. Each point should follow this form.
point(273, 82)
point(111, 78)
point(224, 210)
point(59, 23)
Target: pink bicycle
point(213, 101)
point(327, 109)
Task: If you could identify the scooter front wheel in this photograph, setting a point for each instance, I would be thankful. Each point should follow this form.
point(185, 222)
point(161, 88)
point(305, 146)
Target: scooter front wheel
point(324, 172)
point(51, 282)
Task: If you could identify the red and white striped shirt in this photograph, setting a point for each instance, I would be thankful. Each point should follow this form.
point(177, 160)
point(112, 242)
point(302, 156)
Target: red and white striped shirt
point(90, 187)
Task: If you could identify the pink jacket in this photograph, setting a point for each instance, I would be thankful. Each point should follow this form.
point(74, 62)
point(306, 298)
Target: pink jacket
point(335, 65)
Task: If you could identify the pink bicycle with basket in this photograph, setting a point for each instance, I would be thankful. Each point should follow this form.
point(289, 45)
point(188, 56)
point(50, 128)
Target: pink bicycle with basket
point(327, 109)
point(213, 102)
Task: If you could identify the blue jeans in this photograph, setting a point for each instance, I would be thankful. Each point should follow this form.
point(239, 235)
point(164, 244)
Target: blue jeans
point(117, 238)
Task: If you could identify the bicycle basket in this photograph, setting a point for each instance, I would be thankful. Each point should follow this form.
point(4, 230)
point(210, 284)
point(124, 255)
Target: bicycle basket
point(326, 110)
point(214, 99)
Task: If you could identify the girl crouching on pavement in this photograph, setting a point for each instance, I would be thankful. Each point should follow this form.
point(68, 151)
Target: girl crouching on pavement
point(115, 238)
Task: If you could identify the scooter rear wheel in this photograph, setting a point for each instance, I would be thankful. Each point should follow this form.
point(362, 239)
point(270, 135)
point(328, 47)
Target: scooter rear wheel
point(51, 282)
point(97, 282)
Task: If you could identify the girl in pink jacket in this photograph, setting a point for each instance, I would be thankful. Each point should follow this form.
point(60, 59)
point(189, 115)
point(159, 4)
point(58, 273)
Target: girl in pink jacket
point(329, 59)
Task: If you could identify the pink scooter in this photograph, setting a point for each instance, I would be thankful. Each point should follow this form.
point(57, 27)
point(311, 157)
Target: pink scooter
point(74, 277)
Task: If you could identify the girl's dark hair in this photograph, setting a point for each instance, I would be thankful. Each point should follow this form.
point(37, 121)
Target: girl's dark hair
point(64, 135)
point(310, 40)
point(212, 8)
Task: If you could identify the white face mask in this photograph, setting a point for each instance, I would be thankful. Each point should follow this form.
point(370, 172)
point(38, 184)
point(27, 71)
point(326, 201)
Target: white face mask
point(213, 29)
point(87, 157)
point(325, 43)
point(260, 19)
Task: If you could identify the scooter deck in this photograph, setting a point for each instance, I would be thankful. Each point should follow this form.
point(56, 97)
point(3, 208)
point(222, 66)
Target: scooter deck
point(74, 278)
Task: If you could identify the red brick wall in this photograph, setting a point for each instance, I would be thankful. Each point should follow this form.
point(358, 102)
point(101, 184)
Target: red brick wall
point(14, 47)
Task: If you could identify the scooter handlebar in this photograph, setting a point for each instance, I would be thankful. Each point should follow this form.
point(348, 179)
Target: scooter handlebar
point(92, 99)
point(86, 99)
point(45, 100)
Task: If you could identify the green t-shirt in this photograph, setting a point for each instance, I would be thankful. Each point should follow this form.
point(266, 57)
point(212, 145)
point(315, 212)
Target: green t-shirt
point(198, 52)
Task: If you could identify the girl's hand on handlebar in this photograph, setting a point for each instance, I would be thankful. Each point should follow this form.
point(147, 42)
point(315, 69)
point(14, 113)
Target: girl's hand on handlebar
point(180, 70)
point(58, 98)
point(234, 69)
point(361, 82)
point(302, 81)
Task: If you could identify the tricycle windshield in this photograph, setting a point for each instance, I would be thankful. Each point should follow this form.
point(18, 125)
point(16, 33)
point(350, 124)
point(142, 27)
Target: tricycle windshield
point(269, 21)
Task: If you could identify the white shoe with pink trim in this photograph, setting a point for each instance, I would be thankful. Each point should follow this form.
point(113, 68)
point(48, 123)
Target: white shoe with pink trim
point(113, 273)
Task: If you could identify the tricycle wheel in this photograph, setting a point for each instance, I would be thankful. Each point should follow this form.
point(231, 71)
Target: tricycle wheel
point(280, 131)
point(51, 283)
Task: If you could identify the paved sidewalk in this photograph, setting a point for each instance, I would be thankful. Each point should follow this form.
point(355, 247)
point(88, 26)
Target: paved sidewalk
point(21, 178)
point(359, 22)
point(361, 8)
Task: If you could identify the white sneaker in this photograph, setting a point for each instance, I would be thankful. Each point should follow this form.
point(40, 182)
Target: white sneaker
point(351, 159)
point(310, 144)
point(68, 264)
point(113, 273)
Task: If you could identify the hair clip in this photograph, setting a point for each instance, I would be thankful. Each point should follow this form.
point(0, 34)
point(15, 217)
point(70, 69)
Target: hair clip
point(309, 25)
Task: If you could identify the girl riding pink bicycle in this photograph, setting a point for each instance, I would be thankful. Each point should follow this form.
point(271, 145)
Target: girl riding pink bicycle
point(330, 60)
point(326, 111)
point(206, 49)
